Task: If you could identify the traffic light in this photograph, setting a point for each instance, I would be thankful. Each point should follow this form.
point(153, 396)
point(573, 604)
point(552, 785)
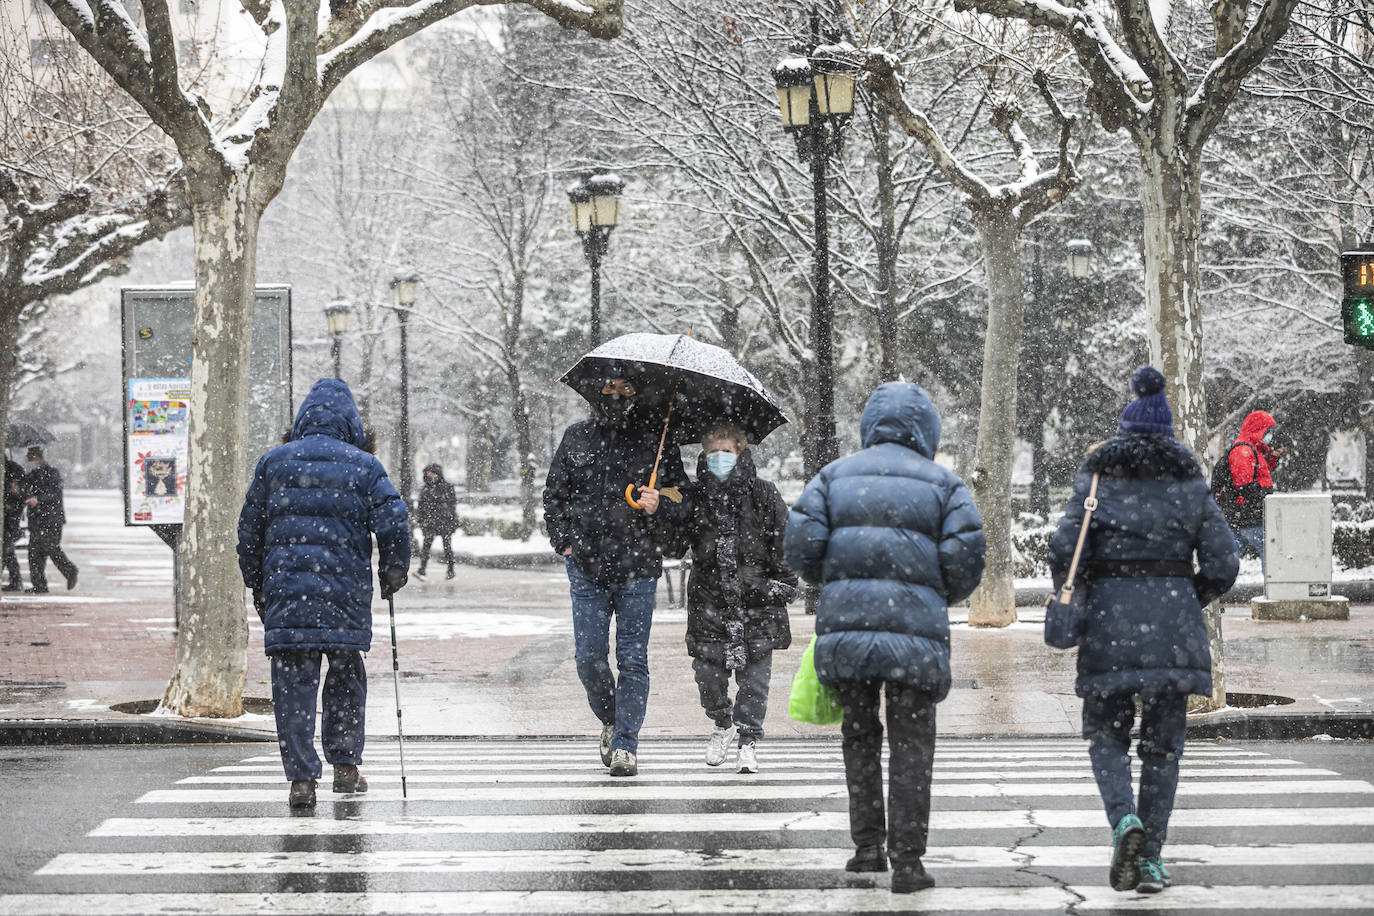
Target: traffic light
point(1357, 299)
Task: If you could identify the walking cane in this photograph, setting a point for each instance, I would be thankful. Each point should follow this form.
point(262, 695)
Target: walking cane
point(396, 681)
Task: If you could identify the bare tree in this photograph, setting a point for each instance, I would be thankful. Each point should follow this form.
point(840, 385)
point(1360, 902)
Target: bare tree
point(234, 168)
point(1141, 82)
point(1000, 213)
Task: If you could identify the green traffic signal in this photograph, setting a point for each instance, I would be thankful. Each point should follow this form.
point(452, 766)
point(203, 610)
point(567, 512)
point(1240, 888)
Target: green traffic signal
point(1357, 315)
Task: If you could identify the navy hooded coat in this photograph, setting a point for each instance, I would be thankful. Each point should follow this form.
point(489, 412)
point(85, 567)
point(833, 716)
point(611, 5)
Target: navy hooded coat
point(305, 532)
point(893, 538)
point(1146, 633)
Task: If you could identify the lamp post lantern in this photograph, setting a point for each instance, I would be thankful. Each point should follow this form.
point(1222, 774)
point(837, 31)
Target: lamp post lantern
point(1079, 256)
point(336, 317)
point(595, 201)
point(405, 284)
point(816, 97)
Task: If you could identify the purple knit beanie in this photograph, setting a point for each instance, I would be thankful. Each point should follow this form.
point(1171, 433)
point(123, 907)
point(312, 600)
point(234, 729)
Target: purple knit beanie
point(1149, 413)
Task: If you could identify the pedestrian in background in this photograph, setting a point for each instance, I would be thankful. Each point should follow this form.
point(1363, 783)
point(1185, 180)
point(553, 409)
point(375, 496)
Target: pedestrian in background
point(613, 555)
point(14, 508)
point(738, 594)
point(43, 496)
point(1145, 637)
point(1252, 460)
point(437, 516)
point(305, 551)
point(893, 539)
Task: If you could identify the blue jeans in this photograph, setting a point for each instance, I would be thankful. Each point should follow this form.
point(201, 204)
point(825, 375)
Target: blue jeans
point(1250, 537)
point(295, 684)
point(1107, 726)
point(615, 701)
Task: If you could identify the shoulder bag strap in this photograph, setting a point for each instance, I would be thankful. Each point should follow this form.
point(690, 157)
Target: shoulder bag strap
point(1089, 504)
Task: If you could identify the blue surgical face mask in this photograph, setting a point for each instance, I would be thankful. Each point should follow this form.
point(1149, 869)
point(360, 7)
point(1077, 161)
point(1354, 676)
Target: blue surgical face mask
point(1268, 436)
point(721, 463)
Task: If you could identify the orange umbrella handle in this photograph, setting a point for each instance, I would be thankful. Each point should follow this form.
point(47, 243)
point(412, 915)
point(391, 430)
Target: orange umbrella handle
point(629, 496)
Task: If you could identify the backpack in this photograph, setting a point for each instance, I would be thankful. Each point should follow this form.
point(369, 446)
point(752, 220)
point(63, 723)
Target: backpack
point(1224, 488)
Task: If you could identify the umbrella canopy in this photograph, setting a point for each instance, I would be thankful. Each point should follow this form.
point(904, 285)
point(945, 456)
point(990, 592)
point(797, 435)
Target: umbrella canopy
point(707, 384)
point(21, 433)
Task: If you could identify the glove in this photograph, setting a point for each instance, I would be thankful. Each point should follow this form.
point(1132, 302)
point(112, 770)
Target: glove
point(393, 580)
point(260, 605)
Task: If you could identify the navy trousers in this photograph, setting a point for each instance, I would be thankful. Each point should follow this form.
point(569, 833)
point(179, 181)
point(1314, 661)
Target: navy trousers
point(295, 684)
point(1107, 726)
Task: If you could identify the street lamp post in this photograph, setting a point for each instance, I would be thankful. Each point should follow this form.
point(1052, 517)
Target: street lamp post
point(595, 203)
point(816, 96)
point(405, 284)
point(336, 316)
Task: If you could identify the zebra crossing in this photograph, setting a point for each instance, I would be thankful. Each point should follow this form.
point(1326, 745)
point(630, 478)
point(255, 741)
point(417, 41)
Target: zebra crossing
point(537, 827)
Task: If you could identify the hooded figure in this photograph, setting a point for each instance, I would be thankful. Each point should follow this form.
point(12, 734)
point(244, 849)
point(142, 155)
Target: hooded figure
point(305, 549)
point(1251, 460)
point(892, 538)
point(437, 516)
point(1145, 635)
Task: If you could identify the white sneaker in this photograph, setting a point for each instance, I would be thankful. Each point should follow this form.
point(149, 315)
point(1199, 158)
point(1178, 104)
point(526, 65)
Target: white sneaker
point(715, 748)
point(607, 733)
point(623, 763)
point(748, 759)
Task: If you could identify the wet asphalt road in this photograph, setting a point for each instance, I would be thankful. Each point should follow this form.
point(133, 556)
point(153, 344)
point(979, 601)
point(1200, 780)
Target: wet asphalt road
point(537, 827)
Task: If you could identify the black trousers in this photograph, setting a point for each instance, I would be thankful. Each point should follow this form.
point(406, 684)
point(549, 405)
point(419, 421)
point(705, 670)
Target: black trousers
point(46, 543)
point(911, 739)
point(11, 558)
point(750, 705)
point(446, 540)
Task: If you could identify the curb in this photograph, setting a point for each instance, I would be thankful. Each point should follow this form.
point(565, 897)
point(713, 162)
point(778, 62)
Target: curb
point(1283, 726)
point(31, 732)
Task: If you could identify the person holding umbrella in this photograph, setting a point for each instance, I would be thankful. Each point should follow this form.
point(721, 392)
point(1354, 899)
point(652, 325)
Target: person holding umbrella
point(14, 507)
point(43, 492)
point(613, 555)
point(737, 598)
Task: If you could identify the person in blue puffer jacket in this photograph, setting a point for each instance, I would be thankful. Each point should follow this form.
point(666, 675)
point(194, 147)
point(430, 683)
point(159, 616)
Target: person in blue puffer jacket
point(893, 538)
point(305, 550)
point(1145, 636)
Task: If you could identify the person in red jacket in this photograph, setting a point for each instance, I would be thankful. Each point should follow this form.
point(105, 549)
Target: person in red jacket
point(1252, 459)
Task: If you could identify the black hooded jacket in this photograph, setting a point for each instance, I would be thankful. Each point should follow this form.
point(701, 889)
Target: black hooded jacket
point(762, 583)
point(437, 513)
point(584, 500)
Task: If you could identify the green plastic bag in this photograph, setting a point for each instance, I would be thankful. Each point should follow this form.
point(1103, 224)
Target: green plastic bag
point(811, 701)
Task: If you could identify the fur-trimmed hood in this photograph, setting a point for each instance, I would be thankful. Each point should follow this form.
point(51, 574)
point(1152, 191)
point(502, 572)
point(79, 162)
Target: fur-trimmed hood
point(1138, 457)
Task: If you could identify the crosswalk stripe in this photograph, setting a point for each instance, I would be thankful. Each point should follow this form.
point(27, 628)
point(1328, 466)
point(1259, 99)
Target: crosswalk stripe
point(774, 751)
point(702, 822)
point(431, 764)
point(811, 858)
point(702, 774)
point(1083, 899)
point(638, 790)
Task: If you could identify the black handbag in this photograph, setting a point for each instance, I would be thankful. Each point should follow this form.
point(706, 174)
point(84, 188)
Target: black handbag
point(1066, 612)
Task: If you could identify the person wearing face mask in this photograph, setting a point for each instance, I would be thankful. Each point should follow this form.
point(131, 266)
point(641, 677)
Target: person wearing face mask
point(738, 594)
point(613, 553)
point(1252, 459)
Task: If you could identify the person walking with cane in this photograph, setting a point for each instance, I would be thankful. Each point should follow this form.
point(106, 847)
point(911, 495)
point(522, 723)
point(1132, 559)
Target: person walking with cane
point(305, 550)
point(1142, 631)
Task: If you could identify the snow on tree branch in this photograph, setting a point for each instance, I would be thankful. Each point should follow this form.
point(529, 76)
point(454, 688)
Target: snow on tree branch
point(1144, 25)
point(1219, 85)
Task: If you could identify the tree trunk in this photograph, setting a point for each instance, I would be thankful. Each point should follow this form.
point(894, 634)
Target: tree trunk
point(212, 642)
point(1170, 190)
point(1036, 357)
point(524, 445)
point(9, 360)
point(887, 250)
point(994, 603)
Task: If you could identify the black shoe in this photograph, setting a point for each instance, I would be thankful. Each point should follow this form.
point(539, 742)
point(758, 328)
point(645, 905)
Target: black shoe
point(12, 587)
point(909, 877)
point(71, 580)
point(420, 573)
point(450, 573)
point(302, 793)
point(36, 590)
point(868, 858)
point(347, 779)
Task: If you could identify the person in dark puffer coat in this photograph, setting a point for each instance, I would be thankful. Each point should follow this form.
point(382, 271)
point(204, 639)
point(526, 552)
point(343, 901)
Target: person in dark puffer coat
point(738, 595)
point(893, 538)
point(305, 550)
point(437, 516)
point(1145, 634)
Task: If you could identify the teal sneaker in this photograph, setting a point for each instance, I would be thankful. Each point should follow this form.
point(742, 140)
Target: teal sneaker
point(1154, 877)
point(1127, 839)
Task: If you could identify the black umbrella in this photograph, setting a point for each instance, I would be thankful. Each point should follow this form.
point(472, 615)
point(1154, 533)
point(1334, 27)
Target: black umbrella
point(695, 385)
point(20, 433)
point(704, 384)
